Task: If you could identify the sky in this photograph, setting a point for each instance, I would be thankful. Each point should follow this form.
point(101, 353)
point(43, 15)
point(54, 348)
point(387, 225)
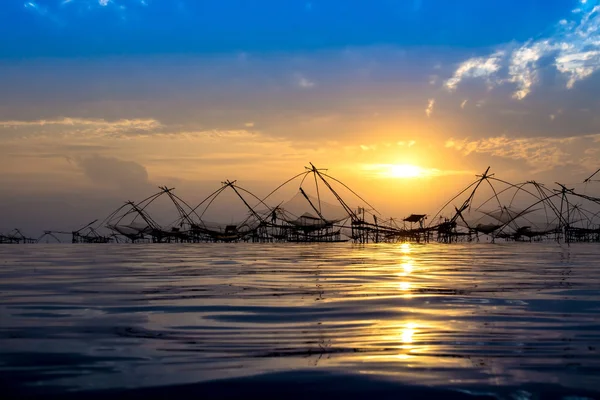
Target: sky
point(101, 101)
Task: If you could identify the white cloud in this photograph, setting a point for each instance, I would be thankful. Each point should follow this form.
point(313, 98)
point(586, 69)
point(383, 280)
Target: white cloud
point(573, 48)
point(55, 10)
point(30, 5)
point(463, 104)
point(523, 70)
point(478, 67)
point(578, 66)
point(429, 109)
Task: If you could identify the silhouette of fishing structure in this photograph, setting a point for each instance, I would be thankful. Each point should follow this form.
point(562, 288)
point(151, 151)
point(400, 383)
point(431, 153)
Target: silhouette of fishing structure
point(85, 234)
point(262, 223)
point(488, 209)
point(527, 211)
point(15, 237)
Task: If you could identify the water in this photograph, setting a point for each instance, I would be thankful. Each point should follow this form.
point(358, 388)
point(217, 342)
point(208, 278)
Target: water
point(490, 317)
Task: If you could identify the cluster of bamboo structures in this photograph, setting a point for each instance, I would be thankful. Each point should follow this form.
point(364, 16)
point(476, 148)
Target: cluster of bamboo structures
point(312, 221)
point(493, 209)
point(85, 234)
point(488, 209)
point(15, 237)
point(304, 218)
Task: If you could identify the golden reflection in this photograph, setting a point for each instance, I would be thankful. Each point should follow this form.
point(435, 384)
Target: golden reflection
point(407, 267)
point(405, 248)
point(415, 333)
point(408, 331)
point(406, 342)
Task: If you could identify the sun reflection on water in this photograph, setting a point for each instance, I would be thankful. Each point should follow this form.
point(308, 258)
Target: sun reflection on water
point(408, 332)
point(405, 248)
point(407, 267)
point(424, 314)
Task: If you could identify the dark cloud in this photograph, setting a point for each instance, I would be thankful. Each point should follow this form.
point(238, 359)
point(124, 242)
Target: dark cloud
point(113, 172)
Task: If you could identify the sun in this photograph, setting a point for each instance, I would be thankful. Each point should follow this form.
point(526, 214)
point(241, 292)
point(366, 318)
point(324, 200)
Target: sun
point(399, 171)
point(405, 171)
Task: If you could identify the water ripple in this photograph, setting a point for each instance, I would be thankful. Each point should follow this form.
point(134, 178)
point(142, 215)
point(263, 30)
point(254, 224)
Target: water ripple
point(114, 316)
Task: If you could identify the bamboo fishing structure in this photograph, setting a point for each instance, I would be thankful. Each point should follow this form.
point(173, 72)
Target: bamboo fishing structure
point(15, 237)
point(488, 209)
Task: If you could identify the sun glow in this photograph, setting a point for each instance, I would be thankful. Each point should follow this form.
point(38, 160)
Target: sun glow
point(405, 171)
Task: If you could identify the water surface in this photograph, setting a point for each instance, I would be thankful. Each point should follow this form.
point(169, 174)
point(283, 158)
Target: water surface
point(486, 316)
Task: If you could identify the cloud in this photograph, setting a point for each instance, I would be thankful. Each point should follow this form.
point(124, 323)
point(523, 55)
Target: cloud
point(63, 131)
point(113, 172)
point(541, 153)
point(578, 65)
point(42, 11)
point(304, 82)
point(81, 127)
point(573, 50)
point(221, 134)
point(479, 67)
point(59, 11)
point(212, 160)
point(523, 69)
point(463, 104)
point(122, 123)
point(429, 109)
point(33, 6)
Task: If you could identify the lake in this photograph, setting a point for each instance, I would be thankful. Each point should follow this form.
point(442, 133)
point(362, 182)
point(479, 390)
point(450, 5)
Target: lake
point(465, 320)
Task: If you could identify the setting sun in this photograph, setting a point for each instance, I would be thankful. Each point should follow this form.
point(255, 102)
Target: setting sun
point(402, 171)
point(405, 171)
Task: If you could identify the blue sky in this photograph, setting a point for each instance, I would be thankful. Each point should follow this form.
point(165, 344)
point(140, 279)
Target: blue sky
point(99, 27)
point(109, 98)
